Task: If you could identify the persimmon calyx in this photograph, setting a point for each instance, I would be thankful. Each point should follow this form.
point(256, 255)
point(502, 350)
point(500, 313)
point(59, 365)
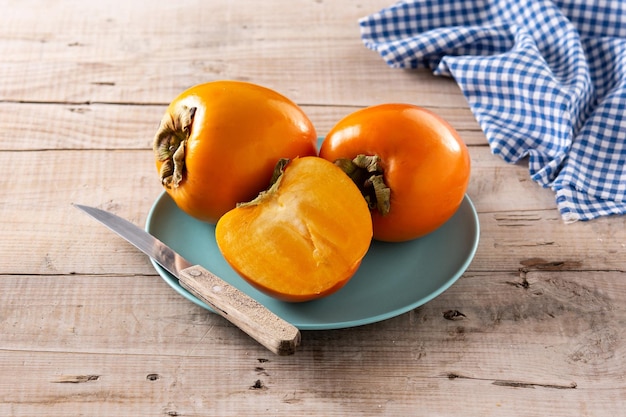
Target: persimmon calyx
point(368, 174)
point(277, 176)
point(170, 142)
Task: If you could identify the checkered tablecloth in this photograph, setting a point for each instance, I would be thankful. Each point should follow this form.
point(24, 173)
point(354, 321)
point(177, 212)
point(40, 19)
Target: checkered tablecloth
point(545, 80)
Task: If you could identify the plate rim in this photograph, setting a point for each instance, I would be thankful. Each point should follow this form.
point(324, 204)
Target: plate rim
point(172, 281)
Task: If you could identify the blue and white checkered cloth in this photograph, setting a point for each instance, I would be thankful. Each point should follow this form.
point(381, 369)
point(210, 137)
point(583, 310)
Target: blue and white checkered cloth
point(545, 80)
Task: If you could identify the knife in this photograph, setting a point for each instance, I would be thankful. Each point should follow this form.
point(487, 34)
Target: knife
point(249, 315)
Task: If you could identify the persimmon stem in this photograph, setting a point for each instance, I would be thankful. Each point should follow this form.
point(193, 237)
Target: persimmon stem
point(277, 175)
point(368, 174)
point(170, 142)
point(278, 170)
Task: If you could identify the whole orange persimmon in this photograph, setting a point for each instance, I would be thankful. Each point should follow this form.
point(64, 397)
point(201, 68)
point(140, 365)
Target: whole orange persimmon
point(302, 239)
point(218, 143)
point(411, 165)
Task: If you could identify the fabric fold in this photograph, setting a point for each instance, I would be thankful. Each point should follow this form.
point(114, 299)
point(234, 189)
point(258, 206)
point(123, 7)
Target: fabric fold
point(546, 80)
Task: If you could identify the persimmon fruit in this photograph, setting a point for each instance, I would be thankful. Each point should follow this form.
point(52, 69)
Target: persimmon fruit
point(410, 163)
point(218, 143)
point(304, 237)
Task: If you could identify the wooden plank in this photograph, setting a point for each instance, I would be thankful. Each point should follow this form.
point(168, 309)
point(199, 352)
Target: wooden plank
point(567, 313)
point(238, 385)
point(540, 240)
point(45, 126)
point(520, 341)
point(119, 60)
point(520, 224)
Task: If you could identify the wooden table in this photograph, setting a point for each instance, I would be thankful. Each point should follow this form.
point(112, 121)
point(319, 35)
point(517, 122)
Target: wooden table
point(87, 327)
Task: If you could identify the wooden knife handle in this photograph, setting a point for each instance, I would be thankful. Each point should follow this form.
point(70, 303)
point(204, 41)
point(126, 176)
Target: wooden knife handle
point(243, 311)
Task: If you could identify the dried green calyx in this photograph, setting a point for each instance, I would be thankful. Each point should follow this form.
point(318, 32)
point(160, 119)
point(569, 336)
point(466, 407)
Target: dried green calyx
point(277, 176)
point(367, 174)
point(170, 142)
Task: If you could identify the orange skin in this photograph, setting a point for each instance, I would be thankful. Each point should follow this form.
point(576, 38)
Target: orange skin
point(239, 132)
point(426, 165)
point(304, 238)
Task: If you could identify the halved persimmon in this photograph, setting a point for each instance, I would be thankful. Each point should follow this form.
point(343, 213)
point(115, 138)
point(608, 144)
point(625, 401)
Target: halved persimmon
point(303, 238)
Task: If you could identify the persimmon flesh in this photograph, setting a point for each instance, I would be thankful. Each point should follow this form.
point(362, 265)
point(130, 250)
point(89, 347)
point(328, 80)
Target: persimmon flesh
point(302, 239)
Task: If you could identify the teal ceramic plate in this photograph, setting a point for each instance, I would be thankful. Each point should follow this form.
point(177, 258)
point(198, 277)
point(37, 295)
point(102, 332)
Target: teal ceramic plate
point(393, 279)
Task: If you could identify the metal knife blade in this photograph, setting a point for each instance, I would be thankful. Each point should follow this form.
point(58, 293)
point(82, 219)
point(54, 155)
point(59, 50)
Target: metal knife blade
point(256, 320)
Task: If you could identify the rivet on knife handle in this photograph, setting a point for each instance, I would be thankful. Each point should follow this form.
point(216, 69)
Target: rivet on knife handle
point(243, 311)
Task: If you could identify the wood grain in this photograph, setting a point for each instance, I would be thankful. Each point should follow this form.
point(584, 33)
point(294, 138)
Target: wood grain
point(192, 361)
point(519, 222)
point(48, 126)
point(126, 52)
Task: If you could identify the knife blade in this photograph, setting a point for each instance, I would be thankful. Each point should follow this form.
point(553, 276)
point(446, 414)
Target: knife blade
point(276, 334)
